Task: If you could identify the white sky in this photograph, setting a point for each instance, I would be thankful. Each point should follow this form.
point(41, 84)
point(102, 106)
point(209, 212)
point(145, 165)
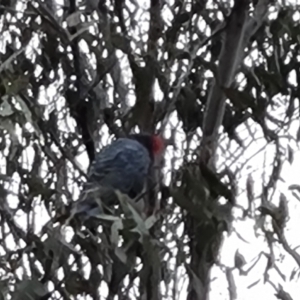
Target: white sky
point(250, 250)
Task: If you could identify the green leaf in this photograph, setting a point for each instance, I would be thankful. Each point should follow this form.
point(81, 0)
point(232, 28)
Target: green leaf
point(290, 154)
point(196, 283)
point(5, 108)
point(120, 253)
point(106, 217)
point(74, 19)
point(186, 204)
point(115, 228)
point(240, 100)
point(150, 221)
point(15, 85)
point(119, 42)
point(29, 290)
point(294, 187)
point(239, 260)
point(4, 289)
point(7, 124)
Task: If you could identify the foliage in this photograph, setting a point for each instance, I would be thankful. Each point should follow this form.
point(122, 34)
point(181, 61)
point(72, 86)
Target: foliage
point(218, 79)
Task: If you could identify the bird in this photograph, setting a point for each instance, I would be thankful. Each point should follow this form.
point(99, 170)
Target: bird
point(123, 166)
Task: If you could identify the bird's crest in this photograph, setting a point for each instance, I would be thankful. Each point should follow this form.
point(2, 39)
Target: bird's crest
point(158, 144)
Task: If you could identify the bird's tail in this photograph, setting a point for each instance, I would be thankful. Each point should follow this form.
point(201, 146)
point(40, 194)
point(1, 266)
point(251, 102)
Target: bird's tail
point(93, 201)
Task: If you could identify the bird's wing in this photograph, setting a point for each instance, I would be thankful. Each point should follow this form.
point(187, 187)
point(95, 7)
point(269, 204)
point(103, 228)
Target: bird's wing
point(122, 165)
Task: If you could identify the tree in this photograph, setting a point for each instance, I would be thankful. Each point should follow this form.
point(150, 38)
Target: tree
point(218, 79)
